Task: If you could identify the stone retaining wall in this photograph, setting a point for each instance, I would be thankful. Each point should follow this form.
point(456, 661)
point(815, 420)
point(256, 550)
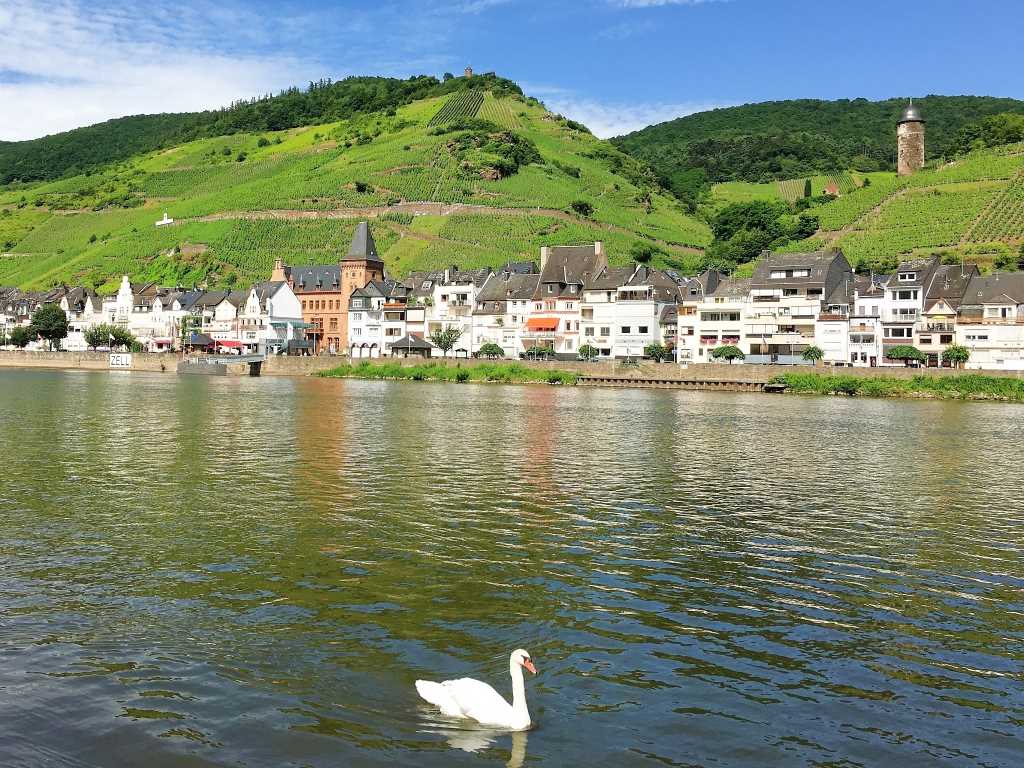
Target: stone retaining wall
point(305, 366)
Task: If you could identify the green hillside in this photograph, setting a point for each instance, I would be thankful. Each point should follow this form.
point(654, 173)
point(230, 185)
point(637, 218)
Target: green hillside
point(467, 177)
point(786, 139)
point(971, 208)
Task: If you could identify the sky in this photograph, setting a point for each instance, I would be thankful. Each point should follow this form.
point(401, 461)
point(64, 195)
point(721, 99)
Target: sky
point(615, 65)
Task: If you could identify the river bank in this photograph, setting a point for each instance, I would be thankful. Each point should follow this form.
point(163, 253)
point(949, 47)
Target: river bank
point(495, 372)
point(961, 386)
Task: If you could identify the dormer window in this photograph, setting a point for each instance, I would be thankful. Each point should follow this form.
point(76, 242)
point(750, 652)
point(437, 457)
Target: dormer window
point(551, 288)
point(907, 277)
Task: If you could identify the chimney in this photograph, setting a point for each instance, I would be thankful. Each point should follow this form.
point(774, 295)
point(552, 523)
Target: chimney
point(545, 251)
point(599, 248)
point(278, 274)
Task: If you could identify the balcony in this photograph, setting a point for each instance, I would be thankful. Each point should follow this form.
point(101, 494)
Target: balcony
point(936, 327)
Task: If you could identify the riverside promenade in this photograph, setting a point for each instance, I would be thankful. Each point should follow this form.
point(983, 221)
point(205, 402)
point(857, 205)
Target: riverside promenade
point(708, 376)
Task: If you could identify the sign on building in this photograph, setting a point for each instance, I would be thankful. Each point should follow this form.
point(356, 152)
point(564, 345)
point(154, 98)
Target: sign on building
point(120, 360)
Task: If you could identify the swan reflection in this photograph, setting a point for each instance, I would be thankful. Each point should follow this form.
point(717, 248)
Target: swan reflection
point(479, 739)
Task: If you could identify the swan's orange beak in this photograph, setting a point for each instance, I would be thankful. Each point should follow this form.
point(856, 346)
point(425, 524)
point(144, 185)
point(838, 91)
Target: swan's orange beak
point(529, 665)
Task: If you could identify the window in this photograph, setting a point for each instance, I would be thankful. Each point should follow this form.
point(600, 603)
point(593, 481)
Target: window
point(624, 329)
point(906, 295)
point(610, 296)
point(392, 331)
point(814, 291)
point(642, 329)
point(946, 338)
point(569, 305)
point(926, 339)
point(333, 324)
point(357, 316)
point(907, 277)
point(588, 331)
point(572, 289)
point(790, 292)
point(551, 288)
point(357, 331)
point(898, 333)
point(606, 331)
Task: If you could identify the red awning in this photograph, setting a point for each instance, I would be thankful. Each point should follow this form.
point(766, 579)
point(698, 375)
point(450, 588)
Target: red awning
point(542, 324)
point(227, 343)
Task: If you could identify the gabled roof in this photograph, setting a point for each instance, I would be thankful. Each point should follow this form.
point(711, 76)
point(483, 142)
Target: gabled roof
point(922, 269)
point(411, 342)
point(949, 283)
point(609, 278)
point(1000, 288)
point(570, 265)
point(732, 287)
point(818, 263)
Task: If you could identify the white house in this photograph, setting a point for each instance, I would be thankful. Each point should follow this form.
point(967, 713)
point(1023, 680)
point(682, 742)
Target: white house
point(991, 322)
point(556, 317)
point(503, 307)
point(270, 321)
point(452, 302)
point(721, 317)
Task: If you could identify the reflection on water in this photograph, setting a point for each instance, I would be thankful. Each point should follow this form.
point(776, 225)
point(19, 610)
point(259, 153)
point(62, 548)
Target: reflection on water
point(216, 571)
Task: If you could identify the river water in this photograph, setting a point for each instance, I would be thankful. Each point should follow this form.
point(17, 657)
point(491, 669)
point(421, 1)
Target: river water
point(201, 571)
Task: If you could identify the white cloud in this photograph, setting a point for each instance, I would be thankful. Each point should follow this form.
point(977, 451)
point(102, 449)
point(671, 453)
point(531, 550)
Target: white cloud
point(611, 119)
point(69, 65)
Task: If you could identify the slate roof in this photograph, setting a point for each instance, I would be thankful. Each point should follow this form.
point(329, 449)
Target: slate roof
point(820, 264)
point(922, 269)
point(412, 342)
point(609, 278)
point(503, 287)
point(569, 265)
point(1000, 288)
point(949, 284)
point(363, 246)
point(316, 278)
point(732, 287)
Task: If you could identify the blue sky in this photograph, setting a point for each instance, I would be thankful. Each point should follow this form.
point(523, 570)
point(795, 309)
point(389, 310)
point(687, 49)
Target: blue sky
point(616, 65)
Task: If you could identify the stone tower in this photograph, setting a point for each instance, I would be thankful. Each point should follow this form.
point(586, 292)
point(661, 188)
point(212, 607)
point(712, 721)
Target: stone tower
point(468, 72)
point(910, 141)
point(360, 266)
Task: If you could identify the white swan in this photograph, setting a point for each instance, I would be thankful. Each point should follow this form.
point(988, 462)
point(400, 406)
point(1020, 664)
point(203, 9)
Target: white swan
point(478, 701)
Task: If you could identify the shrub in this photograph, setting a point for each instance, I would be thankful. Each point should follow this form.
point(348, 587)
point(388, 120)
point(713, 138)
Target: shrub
point(905, 352)
point(582, 208)
point(462, 376)
point(263, 142)
point(491, 351)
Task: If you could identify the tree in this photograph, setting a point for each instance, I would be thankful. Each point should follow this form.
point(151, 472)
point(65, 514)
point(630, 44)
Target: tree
point(263, 142)
point(643, 252)
point(807, 188)
point(812, 354)
point(956, 355)
point(727, 352)
point(582, 207)
point(107, 335)
point(905, 352)
point(588, 352)
point(491, 351)
point(445, 339)
point(21, 336)
point(656, 352)
point(50, 322)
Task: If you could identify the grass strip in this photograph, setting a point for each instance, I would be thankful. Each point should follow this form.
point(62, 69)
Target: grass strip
point(966, 386)
point(502, 373)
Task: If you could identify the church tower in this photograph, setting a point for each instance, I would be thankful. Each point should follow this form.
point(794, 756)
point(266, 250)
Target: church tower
point(360, 266)
point(910, 141)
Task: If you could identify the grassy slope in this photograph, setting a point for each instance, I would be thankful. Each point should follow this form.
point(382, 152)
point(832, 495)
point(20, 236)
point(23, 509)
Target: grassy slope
point(973, 207)
point(312, 170)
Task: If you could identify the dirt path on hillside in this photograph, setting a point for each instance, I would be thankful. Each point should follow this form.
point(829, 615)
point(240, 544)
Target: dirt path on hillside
point(419, 209)
point(834, 234)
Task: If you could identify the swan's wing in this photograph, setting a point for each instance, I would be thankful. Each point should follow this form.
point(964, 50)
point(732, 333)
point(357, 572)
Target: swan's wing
point(478, 700)
point(439, 695)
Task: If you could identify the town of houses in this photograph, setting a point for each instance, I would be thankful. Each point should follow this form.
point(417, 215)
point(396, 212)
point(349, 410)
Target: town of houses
point(571, 298)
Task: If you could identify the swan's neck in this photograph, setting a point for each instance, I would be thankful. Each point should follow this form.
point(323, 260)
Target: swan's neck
point(519, 694)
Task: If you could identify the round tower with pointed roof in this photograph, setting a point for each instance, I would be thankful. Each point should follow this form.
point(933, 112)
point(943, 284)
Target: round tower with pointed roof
point(910, 141)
